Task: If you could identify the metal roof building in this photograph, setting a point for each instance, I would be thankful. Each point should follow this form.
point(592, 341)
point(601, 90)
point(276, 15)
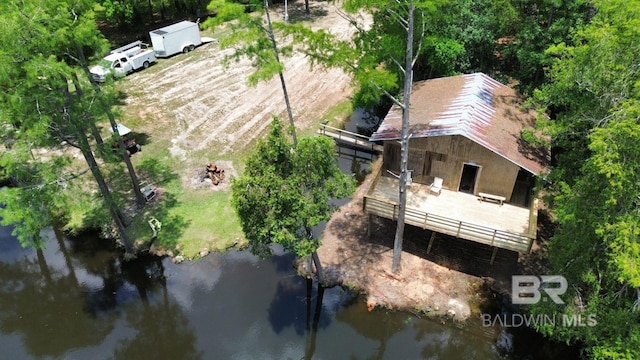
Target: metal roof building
point(476, 107)
point(473, 173)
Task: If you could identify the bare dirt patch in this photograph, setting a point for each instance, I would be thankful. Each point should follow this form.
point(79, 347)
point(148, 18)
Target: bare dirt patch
point(190, 109)
point(195, 177)
point(353, 259)
point(209, 107)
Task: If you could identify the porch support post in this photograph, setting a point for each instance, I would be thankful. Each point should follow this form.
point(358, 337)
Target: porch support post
point(433, 237)
point(530, 245)
point(369, 218)
point(493, 256)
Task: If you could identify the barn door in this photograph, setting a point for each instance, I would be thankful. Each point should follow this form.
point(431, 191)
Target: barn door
point(469, 178)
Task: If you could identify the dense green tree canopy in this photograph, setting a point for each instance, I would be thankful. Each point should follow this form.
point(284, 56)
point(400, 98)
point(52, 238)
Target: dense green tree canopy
point(595, 96)
point(539, 24)
point(131, 13)
point(44, 109)
point(287, 190)
point(37, 40)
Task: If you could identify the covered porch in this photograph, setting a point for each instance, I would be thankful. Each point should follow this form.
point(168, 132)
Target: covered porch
point(457, 214)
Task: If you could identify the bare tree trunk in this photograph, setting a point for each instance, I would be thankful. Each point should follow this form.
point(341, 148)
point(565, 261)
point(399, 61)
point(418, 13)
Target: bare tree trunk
point(314, 257)
point(408, 80)
point(140, 200)
point(284, 86)
point(150, 11)
point(308, 263)
point(92, 125)
point(316, 262)
point(106, 194)
point(135, 183)
point(85, 148)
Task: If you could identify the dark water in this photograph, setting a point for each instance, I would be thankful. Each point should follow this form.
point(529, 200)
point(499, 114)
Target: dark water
point(366, 121)
point(77, 299)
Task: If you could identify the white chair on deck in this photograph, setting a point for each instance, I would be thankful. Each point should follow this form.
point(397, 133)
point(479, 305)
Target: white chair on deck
point(436, 186)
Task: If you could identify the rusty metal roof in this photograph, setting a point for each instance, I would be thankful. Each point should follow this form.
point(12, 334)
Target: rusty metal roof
point(474, 106)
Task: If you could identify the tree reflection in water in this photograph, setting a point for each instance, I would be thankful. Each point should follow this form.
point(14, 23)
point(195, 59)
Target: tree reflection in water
point(41, 304)
point(76, 299)
point(73, 294)
point(162, 328)
point(312, 327)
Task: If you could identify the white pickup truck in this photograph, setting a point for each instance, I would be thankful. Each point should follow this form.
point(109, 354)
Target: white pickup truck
point(123, 61)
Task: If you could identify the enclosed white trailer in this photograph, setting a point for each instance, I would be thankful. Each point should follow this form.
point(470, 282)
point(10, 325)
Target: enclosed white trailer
point(180, 37)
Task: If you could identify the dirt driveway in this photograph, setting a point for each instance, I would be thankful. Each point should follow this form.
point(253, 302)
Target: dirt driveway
point(210, 109)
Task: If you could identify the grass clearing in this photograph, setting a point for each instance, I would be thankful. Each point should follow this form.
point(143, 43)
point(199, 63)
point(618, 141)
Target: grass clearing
point(212, 222)
point(196, 219)
point(192, 219)
point(335, 116)
point(339, 114)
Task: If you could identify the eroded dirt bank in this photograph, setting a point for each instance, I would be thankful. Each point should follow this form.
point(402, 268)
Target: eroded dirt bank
point(355, 260)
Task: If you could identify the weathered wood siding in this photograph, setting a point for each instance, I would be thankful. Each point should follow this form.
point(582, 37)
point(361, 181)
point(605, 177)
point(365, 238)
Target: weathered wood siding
point(445, 156)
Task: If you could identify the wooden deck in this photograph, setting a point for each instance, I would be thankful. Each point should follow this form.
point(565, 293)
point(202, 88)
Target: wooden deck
point(455, 213)
point(350, 139)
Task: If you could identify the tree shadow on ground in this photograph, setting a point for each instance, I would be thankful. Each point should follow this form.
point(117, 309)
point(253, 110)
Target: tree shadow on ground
point(456, 254)
point(297, 12)
point(355, 227)
point(119, 98)
point(141, 138)
point(154, 171)
point(156, 174)
point(172, 225)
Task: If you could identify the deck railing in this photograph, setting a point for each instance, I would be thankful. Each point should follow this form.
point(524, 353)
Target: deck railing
point(349, 138)
point(483, 234)
point(533, 222)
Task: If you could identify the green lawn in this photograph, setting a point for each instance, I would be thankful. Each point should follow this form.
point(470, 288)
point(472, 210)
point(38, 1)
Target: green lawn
point(192, 218)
